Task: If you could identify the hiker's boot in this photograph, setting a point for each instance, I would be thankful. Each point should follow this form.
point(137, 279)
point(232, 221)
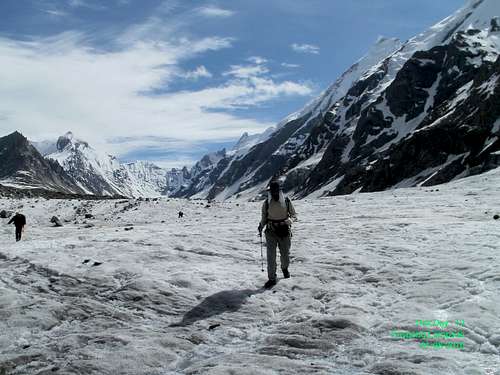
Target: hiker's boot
point(269, 284)
point(286, 274)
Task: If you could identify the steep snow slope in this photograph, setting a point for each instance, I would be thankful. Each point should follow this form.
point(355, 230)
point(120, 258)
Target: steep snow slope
point(362, 266)
point(378, 52)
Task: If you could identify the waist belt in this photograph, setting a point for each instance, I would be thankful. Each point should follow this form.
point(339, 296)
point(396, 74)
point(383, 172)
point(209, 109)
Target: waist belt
point(276, 221)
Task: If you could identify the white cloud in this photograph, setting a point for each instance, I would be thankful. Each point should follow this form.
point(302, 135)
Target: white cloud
point(246, 71)
point(199, 72)
point(305, 48)
point(56, 13)
point(241, 93)
point(212, 11)
point(257, 60)
point(85, 4)
point(60, 83)
point(291, 66)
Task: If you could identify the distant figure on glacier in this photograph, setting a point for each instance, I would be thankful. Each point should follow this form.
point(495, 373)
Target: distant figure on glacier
point(19, 221)
point(181, 214)
point(277, 212)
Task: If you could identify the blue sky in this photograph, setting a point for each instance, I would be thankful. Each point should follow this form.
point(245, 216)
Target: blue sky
point(169, 80)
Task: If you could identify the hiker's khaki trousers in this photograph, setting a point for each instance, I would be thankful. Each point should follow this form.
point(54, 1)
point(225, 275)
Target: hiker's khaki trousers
point(284, 244)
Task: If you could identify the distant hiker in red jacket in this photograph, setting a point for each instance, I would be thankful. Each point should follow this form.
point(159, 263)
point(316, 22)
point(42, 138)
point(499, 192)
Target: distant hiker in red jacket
point(19, 221)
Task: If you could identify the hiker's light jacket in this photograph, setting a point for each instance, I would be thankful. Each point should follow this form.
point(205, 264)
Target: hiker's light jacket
point(277, 211)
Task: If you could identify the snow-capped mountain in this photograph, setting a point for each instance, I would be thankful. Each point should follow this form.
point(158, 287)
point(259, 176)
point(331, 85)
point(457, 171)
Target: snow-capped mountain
point(24, 167)
point(419, 113)
point(98, 173)
point(148, 179)
point(177, 179)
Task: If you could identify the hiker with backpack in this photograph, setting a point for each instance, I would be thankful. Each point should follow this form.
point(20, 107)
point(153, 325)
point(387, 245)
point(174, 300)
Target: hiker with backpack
point(277, 212)
point(19, 221)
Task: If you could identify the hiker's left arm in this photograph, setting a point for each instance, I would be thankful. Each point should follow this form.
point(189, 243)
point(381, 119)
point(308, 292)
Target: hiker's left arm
point(292, 212)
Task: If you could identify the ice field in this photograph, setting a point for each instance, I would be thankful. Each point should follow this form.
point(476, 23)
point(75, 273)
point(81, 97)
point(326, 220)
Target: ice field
point(184, 296)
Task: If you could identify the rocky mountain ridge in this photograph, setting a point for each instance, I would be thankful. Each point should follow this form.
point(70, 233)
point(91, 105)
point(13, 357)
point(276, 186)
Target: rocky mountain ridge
point(419, 113)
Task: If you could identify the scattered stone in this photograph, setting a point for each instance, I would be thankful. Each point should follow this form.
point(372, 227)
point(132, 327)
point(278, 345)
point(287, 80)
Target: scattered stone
point(5, 214)
point(86, 261)
point(128, 228)
point(89, 216)
point(96, 264)
point(81, 211)
point(496, 217)
point(55, 220)
point(213, 326)
point(89, 225)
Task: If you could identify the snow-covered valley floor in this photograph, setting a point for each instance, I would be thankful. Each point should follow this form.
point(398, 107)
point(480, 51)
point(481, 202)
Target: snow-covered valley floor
point(362, 266)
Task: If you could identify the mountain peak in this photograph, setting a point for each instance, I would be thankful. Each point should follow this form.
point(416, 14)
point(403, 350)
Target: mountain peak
point(16, 135)
point(67, 140)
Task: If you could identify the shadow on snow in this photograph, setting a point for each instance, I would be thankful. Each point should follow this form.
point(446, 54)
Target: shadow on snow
point(218, 303)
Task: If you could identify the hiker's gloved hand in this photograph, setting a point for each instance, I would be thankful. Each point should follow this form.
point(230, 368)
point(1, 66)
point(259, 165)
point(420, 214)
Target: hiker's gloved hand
point(260, 230)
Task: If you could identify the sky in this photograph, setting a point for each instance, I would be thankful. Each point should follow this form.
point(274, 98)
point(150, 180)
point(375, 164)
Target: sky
point(170, 80)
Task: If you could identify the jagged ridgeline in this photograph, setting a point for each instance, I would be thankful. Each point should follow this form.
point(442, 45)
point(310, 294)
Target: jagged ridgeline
point(408, 114)
point(70, 166)
point(418, 113)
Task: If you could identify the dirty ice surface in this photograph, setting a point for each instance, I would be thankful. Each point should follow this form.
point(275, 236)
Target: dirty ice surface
point(135, 290)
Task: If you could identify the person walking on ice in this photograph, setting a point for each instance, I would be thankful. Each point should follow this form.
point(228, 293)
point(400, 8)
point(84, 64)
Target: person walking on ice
point(19, 221)
point(277, 212)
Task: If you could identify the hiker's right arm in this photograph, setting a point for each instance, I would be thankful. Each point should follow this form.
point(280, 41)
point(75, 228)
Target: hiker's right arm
point(11, 221)
point(263, 220)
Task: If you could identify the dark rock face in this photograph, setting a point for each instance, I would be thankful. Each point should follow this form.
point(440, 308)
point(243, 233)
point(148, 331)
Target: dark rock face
point(495, 25)
point(448, 141)
point(262, 153)
point(23, 164)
